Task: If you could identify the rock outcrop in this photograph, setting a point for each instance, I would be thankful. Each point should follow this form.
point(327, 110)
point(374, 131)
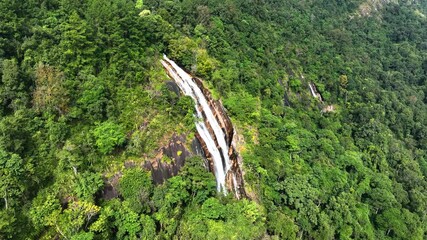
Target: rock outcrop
point(234, 177)
point(216, 125)
point(370, 6)
point(169, 160)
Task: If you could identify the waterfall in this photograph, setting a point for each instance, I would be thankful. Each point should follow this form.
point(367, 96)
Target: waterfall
point(312, 90)
point(218, 154)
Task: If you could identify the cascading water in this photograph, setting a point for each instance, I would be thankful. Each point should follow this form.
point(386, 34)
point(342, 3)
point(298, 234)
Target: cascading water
point(312, 91)
point(219, 154)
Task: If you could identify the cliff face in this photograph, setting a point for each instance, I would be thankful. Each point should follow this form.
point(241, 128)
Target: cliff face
point(169, 160)
point(219, 112)
point(234, 177)
point(215, 133)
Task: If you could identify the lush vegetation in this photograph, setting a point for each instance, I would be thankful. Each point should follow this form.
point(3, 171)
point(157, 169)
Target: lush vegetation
point(82, 93)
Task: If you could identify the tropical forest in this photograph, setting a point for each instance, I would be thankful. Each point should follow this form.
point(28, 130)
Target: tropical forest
point(208, 119)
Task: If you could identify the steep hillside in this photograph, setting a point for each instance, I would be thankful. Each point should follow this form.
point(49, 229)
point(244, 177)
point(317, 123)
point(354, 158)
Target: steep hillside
point(327, 100)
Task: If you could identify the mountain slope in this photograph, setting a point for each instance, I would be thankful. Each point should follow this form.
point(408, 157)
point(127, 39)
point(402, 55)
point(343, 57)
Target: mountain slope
point(85, 105)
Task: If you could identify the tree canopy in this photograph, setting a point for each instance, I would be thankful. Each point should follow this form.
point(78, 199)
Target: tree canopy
point(85, 104)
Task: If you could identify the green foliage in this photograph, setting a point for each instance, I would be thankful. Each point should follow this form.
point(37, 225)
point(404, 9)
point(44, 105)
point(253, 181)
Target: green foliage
point(281, 225)
point(243, 106)
point(295, 84)
point(13, 175)
point(108, 135)
point(136, 188)
point(93, 98)
point(75, 43)
point(7, 223)
point(73, 219)
point(184, 50)
point(12, 92)
point(139, 4)
point(213, 209)
point(148, 227)
point(216, 220)
point(185, 106)
point(127, 223)
point(44, 210)
point(88, 184)
point(83, 236)
point(201, 183)
point(82, 93)
point(205, 64)
point(225, 77)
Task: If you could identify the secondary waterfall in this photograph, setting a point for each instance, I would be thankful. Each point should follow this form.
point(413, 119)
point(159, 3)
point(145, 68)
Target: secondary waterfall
point(312, 91)
point(216, 143)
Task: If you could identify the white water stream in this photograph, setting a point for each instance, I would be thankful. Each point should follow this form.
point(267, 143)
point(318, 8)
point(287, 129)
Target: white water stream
point(190, 88)
point(312, 90)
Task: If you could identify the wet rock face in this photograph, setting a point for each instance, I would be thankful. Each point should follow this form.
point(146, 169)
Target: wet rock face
point(234, 177)
point(206, 154)
point(237, 185)
point(314, 92)
point(166, 164)
point(169, 160)
point(197, 149)
point(172, 86)
point(215, 134)
point(219, 112)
